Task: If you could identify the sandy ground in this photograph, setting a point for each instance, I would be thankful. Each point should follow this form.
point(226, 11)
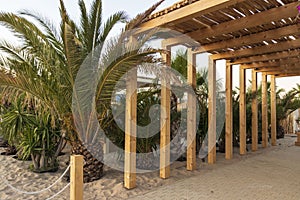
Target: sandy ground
point(272, 173)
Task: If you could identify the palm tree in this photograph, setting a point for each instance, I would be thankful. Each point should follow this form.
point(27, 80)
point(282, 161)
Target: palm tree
point(45, 63)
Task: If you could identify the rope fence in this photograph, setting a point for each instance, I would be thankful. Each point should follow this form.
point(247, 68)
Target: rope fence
point(76, 181)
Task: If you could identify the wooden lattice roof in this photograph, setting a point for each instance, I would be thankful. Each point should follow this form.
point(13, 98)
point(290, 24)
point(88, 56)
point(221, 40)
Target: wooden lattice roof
point(259, 34)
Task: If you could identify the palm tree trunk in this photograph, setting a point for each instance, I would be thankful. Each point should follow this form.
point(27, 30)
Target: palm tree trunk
point(92, 168)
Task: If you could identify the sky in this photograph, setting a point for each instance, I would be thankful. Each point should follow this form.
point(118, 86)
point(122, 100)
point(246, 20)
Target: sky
point(49, 9)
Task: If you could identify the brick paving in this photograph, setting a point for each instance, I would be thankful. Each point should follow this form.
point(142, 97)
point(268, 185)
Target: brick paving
point(268, 174)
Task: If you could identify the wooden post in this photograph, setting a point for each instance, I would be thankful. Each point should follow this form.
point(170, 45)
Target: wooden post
point(273, 111)
point(76, 177)
point(211, 111)
point(130, 131)
point(254, 112)
point(242, 111)
point(228, 112)
point(191, 113)
point(264, 111)
point(165, 121)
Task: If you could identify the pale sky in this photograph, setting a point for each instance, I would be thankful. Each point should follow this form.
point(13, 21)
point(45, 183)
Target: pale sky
point(49, 9)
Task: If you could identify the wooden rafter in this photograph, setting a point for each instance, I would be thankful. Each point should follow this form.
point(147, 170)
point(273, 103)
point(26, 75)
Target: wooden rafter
point(188, 12)
point(247, 22)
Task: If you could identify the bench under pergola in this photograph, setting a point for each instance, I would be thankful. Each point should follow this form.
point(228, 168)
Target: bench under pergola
point(260, 35)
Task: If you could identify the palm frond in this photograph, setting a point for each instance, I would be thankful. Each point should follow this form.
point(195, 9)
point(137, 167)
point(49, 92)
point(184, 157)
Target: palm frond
point(109, 24)
point(140, 18)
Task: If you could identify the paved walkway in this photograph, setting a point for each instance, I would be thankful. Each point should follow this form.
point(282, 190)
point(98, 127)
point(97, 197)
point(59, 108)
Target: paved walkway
point(269, 174)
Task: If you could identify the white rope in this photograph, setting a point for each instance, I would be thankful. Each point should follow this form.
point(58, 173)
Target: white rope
point(59, 192)
point(35, 192)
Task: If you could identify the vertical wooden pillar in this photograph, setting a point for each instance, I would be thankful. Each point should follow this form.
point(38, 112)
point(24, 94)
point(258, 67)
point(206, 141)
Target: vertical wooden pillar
point(130, 131)
point(273, 111)
point(191, 112)
point(212, 111)
point(254, 112)
point(165, 121)
point(242, 111)
point(228, 112)
point(264, 87)
point(76, 177)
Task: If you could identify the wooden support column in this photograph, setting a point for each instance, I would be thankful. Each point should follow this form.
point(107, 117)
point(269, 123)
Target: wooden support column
point(130, 131)
point(228, 112)
point(76, 177)
point(212, 111)
point(242, 111)
point(273, 111)
point(191, 113)
point(264, 88)
point(254, 109)
point(165, 121)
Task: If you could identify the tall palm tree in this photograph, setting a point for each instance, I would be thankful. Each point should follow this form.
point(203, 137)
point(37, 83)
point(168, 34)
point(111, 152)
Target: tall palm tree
point(45, 63)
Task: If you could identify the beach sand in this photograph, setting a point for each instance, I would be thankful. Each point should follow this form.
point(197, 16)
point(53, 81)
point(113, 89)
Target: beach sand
point(272, 173)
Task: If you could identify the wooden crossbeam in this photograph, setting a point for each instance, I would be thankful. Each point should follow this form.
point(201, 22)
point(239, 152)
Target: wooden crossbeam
point(268, 65)
point(188, 12)
point(282, 46)
point(286, 11)
point(267, 57)
point(251, 39)
point(284, 72)
point(282, 68)
point(283, 75)
point(181, 40)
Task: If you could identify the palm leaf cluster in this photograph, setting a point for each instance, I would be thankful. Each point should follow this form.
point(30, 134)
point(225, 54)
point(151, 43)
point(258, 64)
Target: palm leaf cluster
point(42, 67)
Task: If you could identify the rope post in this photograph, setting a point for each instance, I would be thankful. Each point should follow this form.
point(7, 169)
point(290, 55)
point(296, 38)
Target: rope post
point(76, 188)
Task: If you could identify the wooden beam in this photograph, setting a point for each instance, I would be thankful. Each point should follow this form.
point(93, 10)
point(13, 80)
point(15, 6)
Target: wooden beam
point(165, 121)
point(251, 39)
point(260, 65)
point(212, 111)
point(279, 70)
point(254, 109)
point(242, 111)
point(286, 11)
point(286, 75)
point(130, 131)
point(76, 177)
point(273, 111)
point(180, 40)
point(228, 113)
point(271, 48)
point(268, 66)
point(188, 12)
point(191, 112)
point(267, 57)
point(264, 110)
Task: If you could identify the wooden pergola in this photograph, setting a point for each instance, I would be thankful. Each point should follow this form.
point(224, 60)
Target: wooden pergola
point(260, 35)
